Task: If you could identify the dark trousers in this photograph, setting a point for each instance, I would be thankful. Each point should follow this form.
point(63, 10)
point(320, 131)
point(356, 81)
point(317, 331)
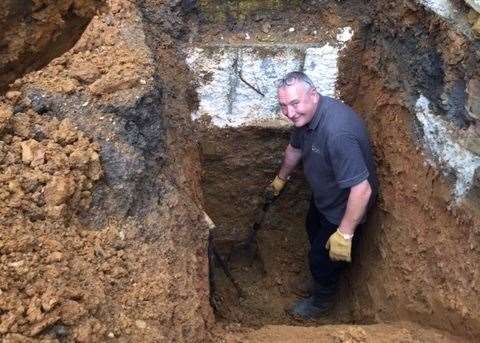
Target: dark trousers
point(325, 272)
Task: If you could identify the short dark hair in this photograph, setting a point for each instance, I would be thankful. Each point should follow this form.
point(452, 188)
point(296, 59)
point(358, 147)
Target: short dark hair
point(293, 77)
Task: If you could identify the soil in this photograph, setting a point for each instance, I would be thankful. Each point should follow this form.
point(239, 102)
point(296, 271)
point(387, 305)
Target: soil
point(401, 332)
point(288, 24)
point(94, 242)
point(105, 182)
point(35, 32)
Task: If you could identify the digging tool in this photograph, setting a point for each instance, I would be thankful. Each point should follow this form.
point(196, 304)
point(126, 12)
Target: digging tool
point(248, 249)
point(213, 252)
point(226, 270)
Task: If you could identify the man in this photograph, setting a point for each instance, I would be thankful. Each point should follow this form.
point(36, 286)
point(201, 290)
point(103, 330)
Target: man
point(331, 141)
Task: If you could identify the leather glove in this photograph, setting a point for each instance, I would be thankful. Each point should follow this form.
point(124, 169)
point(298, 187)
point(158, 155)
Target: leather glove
point(339, 247)
point(273, 190)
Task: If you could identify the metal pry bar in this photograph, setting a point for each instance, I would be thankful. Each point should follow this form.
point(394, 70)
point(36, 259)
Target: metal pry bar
point(250, 85)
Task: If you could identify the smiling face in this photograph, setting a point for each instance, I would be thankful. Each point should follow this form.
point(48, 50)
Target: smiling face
point(298, 103)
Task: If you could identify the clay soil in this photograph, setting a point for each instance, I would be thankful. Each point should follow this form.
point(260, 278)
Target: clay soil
point(235, 175)
point(74, 144)
point(104, 180)
point(238, 163)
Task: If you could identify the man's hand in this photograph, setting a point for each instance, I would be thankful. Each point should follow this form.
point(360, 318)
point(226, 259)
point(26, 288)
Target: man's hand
point(273, 190)
point(340, 247)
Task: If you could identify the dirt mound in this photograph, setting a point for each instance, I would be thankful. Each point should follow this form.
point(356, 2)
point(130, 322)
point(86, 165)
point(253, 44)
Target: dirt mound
point(34, 32)
point(130, 267)
point(48, 167)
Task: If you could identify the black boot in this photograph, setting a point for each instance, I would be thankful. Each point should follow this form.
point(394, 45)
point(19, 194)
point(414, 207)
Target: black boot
point(317, 305)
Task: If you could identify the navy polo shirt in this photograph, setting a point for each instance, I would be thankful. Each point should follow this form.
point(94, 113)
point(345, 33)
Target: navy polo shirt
point(336, 155)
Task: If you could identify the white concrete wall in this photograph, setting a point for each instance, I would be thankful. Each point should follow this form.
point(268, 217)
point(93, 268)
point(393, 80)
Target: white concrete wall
point(229, 101)
point(441, 140)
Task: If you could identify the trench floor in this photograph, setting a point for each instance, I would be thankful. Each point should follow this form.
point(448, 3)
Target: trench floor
point(235, 174)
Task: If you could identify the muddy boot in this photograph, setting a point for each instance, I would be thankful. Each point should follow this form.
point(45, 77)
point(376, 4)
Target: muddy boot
point(317, 305)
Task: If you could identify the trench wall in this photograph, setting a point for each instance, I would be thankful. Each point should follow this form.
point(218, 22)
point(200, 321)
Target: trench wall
point(415, 86)
point(421, 250)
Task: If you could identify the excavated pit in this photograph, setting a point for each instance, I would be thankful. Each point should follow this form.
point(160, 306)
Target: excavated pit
point(104, 235)
point(387, 81)
point(237, 164)
point(242, 138)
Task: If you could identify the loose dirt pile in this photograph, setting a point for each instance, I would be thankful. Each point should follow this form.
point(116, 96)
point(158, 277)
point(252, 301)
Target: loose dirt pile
point(48, 167)
point(118, 269)
point(34, 32)
point(102, 230)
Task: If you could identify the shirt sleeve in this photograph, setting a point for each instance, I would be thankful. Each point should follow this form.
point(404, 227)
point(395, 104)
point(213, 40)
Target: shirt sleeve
point(296, 138)
point(347, 160)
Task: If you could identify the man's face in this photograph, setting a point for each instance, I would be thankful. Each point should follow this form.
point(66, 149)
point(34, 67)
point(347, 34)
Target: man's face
point(297, 103)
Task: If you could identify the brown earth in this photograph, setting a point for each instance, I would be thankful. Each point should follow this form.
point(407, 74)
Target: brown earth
point(421, 253)
point(411, 264)
point(116, 269)
point(391, 333)
point(34, 32)
point(421, 249)
point(103, 234)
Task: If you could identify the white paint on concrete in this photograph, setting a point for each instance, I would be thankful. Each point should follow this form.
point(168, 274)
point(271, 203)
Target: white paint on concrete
point(262, 72)
point(475, 4)
point(443, 8)
point(321, 66)
point(237, 84)
point(213, 70)
point(225, 97)
point(440, 140)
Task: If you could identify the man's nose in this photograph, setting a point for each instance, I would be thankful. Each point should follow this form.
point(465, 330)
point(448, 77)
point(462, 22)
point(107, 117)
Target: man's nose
point(290, 112)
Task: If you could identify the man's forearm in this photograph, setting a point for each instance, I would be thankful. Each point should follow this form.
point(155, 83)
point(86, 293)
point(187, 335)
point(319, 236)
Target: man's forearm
point(290, 161)
point(356, 207)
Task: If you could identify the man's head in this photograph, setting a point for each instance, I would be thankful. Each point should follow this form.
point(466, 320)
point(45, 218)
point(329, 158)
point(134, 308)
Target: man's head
point(297, 97)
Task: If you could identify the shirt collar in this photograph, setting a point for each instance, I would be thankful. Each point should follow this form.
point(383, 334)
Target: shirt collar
point(318, 114)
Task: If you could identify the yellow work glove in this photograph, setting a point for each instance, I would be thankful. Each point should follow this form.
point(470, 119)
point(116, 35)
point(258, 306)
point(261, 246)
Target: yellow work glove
point(339, 247)
point(273, 190)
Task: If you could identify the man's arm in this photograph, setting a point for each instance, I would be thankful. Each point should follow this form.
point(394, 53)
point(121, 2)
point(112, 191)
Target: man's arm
point(290, 161)
point(356, 207)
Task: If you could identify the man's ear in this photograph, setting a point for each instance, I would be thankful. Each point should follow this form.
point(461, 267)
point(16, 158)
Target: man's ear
point(313, 92)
